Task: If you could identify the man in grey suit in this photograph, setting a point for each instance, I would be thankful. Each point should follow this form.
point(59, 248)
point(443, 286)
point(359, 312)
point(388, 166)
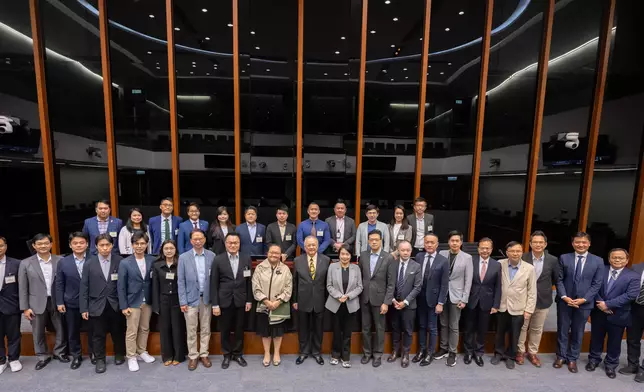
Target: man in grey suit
point(460, 281)
point(193, 285)
point(421, 224)
point(341, 227)
point(378, 280)
point(282, 233)
point(36, 285)
point(409, 281)
point(365, 229)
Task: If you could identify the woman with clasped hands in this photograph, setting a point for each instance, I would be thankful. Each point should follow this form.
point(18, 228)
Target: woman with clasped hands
point(272, 287)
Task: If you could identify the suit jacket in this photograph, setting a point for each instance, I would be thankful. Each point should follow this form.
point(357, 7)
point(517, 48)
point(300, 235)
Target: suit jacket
point(227, 289)
point(589, 283)
point(252, 246)
point(273, 236)
point(460, 279)
point(154, 226)
point(309, 294)
point(336, 289)
point(377, 289)
point(487, 293)
point(546, 280)
point(394, 240)
point(90, 227)
point(362, 237)
point(519, 295)
point(349, 231)
point(68, 282)
point(412, 283)
point(436, 284)
point(429, 225)
point(622, 293)
point(132, 287)
point(188, 279)
point(639, 270)
point(9, 295)
point(32, 288)
point(95, 291)
point(217, 238)
point(185, 228)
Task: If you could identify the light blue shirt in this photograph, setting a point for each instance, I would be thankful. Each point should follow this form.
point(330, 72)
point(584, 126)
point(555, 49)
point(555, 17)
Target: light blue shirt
point(79, 265)
point(200, 261)
point(373, 260)
point(538, 264)
point(252, 231)
point(105, 266)
point(513, 270)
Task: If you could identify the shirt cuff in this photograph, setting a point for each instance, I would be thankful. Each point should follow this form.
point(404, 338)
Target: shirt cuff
point(564, 296)
point(406, 302)
point(248, 303)
point(440, 303)
point(216, 307)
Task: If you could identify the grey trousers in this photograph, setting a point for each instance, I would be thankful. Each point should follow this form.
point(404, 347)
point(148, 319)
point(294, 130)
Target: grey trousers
point(449, 327)
point(38, 324)
point(371, 315)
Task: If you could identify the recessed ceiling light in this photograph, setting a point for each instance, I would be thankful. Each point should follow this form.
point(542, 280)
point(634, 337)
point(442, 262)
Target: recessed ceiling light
point(337, 52)
point(384, 71)
point(429, 66)
point(204, 10)
point(157, 63)
point(395, 19)
point(257, 47)
point(326, 74)
point(149, 52)
point(446, 28)
point(230, 25)
point(346, 74)
point(421, 38)
point(392, 79)
point(243, 70)
point(194, 66)
point(151, 16)
point(208, 73)
point(427, 73)
point(177, 29)
point(449, 63)
point(373, 31)
point(268, 70)
point(367, 71)
point(406, 77)
point(442, 73)
point(252, 32)
point(387, 1)
point(207, 38)
point(404, 69)
point(461, 12)
point(194, 62)
point(343, 37)
point(158, 67)
point(192, 73)
point(393, 46)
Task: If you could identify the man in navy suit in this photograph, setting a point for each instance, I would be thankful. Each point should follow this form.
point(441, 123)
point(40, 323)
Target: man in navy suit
point(186, 227)
point(68, 277)
point(620, 287)
point(9, 310)
point(634, 331)
point(252, 234)
point(165, 226)
point(102, 223)
point(580, 278)
point(432, 297)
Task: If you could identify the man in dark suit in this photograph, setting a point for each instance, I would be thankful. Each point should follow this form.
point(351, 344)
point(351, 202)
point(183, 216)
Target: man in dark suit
point(484, 300)
point(252, 234)
point(620, 287)
point(9, 310)
point(99, 302)
point(341, 228)
point(634, 331)
point(579, 281)
point(102, 223)
point(165, 226)
point(68, 278)
point(409, 281)
point(186, 227)
point(421, 224)
point(282, 233)
point(432, 297)
point(230, 296)
point(309, 295)
point(546, 267)
point(379, 280)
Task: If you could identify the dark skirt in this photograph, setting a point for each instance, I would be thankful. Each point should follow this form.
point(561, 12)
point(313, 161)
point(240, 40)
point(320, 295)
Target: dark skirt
point(266, 330)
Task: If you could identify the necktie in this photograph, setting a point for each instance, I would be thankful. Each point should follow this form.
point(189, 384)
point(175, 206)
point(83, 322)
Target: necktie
point(401, 278)
point(577, 275)
point(166, 229)
point(313, 232)
point(483, 270)
point(195, 224)
point(312, 268)
point(428, 266)
point(640, 298)
point(611, 280)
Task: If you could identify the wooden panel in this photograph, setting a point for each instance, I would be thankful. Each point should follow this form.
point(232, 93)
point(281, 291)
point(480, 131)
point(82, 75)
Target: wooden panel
point(605, 36)
point(421, 101)
point(172, 87)
point(480, 119)
point(535, 146)
point(637, 224)
point(300, 86)
point(236, 116)
point(361, 84)
point(43, 114)
point(107, 99)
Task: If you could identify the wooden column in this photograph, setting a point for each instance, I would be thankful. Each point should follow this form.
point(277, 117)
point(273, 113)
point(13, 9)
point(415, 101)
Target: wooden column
point(361, 84)
point(236, 116)
point(172, 87)
point(300, 134)
point(637, 223)
point(422, 96)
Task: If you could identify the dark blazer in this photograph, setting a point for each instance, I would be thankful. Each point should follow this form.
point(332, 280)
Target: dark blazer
point(183, 238)
point(309, 294)
point(133, 287)
point(349, 231)
point(95, 291)
point(217, 238)
point(90, 227)
point(273, 236)
point(546, 280)
point(9, 295)
point(412, 283)
point(227, 290)
point(161, 285)
point(379, 288)
point(68, 282)
point(252, 246)
point(589, 283)
point(436, 286)
point(639, 270)
point(154, 227)
point(429, 225)
point(488, 292)
point(620, 296)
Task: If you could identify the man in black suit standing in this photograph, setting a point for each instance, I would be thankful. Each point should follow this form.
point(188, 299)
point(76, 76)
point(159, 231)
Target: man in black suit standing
point(99, 301)
point(282, 233)
point(485, 299)
point(309, 296)
point(9, 311)
point(230, 296)
point(634, 331)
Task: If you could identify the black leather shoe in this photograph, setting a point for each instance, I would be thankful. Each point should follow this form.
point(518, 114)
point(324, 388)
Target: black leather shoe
point(365, 360)
point(119, 360)
point(629, 369)
point(429, 358)
point(300, 360)
point(101, 367)
point(226, 363)
point(496, 359)
point(639, 377)
point(467, 359)
point(377, 362)
point(319, 359)
point(479, 360)
point(62, 358)
point(76, 363)
point(92, 358)
point(590, 367)
point(405, 361)
point(419, 356)
point(509, 363)
point(392, 357)
point(43, 363)
point(241, 361)
point(610, 373)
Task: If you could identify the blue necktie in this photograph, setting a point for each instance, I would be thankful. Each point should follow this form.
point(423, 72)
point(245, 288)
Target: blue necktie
point(401, 278)
point(577, 275)
point(611, 281)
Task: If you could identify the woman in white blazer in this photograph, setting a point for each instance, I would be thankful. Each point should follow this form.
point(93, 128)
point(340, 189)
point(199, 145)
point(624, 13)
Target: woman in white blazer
point(399, 230)
point(344, 284)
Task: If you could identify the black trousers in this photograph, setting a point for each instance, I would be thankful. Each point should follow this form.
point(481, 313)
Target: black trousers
point(511, 325)
point(74, 322)
point(477, 322)
point(172, 328)
point(110, 321)
point(343, 322)
point(634, 335)
point(10, 328)
point(232, 321)
point(402, 325)
point(309, 332)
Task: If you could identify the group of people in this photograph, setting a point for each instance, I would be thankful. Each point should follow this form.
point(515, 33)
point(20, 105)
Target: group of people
point(399, 270)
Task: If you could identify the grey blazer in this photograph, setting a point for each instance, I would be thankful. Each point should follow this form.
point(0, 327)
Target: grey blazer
point(349, 231)
point(335, 288)
point(188, 279)
point(460, 279)
point(32, 288)
point(403, 235)
point(428, 220)
point(362, 237)
point(378, 289)
point(412, 283)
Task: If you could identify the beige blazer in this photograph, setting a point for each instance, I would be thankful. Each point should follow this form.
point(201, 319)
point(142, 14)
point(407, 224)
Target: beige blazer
point(519, 294)
point(278, 281)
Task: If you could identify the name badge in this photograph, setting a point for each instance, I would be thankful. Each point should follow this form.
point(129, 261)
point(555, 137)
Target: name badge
point(401, 237)
point(258, 239)
point(113, 234)
point(320, 233)
point(430, 228)
point(115, 277)
point(246, 273)
point(288, 237)
point(176, 231)
point(10, 279)
point(151, 272)
point(338, 235)
point(169, 275)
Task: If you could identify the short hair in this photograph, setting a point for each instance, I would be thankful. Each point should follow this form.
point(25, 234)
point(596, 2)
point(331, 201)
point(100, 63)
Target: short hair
point(340, 201)
point(272, 246)
point(511, 244)
point(581, 234)
point(619, 250)
point(453, 233)
point(486, 239)
point(311, 237)
point(538, 233)
point(232, 234)
point(193, 204)
point(167, 199)
point(102, 201)
point(41, 236)
point(431, 233)
point(105, 237)
point(376, 232)
point(3, 240)
point(345, 247)
point(283, 207)
point(250, 208)
point(405, 242)
point(138, 235)
point(420, 200)
point(313, 203)
point(197, 231)
point(78, 234)
point(372, 207)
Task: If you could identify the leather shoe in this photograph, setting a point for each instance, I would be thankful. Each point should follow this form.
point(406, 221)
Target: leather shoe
point(509, 363)
point(520, 359)
point(300, 360)
point(319, 359)
point(101, 366)
point(419, 356)
point(92, 358)
point(429, 358)
point(76, 363)
point(534, 359)
point(496, 359)
point(572, 367)
point(43, 363)
point(377, 362)
point(392, 357)
point(558, 363)
point(62, 358)
point(192, 364)
point(119, 360)
point(590, 367)
point(405, 361)
point(610, 373)
point(226, 363)
point(467, 359)
point(365, 360)
point(479, 360)
point(241, 361)
point(639, 377)
point(206, 362)
point(628, 369)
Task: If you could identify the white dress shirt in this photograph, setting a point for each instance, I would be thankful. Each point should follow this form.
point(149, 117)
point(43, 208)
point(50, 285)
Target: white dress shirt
point(420, 232)
point(234, 263)
point(48, 272)
point(3, 264)
point(583, 261)
point(163, 227)
point(538, 264)
point(425, 262)
point(339, 229)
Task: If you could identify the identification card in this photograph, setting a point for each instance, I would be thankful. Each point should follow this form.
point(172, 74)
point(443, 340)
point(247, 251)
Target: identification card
point(338, 235)
point(151, 272)
point(115, 277)
point(113, 234)
point(258, 239)
point(176, 231)
point(169, 275)
point(430, 228)
point(246, 273)
point(320, 233)
point(10, 279)
point(401, 237)
point(288, 237)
